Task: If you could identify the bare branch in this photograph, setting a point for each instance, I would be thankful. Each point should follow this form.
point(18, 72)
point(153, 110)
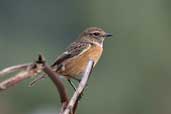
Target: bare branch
point(30, 70)
point(75, 98)
point(58, 83)
point(13, 69)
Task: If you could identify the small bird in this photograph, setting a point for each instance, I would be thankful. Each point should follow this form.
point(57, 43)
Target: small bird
point(73, 61)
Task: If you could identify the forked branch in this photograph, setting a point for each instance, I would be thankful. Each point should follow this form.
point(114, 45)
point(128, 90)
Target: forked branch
point(32, 69)
point(26, 71)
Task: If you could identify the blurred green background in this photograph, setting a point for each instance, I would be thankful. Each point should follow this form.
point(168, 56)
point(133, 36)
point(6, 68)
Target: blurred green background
point(134, 74)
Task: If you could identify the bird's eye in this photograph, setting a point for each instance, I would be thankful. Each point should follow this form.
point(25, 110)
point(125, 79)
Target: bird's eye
point(96, 33)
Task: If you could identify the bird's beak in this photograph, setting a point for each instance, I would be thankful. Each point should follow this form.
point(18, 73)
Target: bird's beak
point(107, 35)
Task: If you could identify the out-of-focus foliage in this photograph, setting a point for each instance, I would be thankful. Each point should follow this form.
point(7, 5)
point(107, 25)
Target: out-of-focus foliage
point(134, 74)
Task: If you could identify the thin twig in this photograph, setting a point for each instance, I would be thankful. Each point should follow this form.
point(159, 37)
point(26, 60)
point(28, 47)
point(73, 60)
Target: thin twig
point(31, 70)
point(15, 80)
point(75, 98)
point(13, 69)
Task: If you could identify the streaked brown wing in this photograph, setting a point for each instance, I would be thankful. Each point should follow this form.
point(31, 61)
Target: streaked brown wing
point(74, 49)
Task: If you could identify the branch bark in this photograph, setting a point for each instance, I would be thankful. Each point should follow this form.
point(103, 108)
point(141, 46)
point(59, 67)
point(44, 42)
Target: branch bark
point(59, 85)
point(28, 70)
point(14, 68)
point(31, 69)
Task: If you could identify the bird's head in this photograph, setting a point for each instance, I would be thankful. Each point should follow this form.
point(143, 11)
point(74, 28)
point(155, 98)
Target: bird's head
point(94, 34)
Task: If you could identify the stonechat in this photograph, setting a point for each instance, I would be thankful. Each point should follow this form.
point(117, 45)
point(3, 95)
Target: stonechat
point(72, 62)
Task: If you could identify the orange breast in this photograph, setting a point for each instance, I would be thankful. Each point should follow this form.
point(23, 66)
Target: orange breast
point(76, 65)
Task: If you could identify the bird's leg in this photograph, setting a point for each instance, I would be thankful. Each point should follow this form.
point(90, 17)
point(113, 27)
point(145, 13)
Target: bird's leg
point(74, 87)
point(77, 79)
point(72, 84)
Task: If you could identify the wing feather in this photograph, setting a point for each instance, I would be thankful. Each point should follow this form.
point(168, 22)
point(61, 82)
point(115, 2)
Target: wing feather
point(76, 48)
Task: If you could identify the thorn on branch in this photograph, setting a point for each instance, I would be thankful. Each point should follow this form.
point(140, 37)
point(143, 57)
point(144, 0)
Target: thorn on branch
point(41, 59)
